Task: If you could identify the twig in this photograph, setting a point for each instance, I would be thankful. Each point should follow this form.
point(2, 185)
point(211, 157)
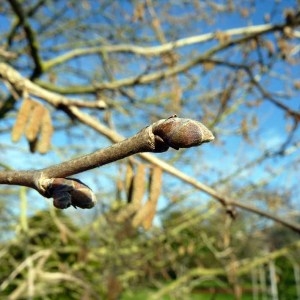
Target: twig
point(31, 37)
point(19, 83)
point(161, 74)
point(160, 49)
point(158, 137)
point(243, 268)
point(9, 74)
point(38, 255)
point(255, 82)
point(113, 136)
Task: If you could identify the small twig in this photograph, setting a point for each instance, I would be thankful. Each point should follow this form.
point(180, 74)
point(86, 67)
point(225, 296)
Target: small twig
point(18, 269)
point(7, 54)
point(30, 35)
point(53, 182)
point(160, 49)
point(255, 82)
point(161, 74)
point(19, 83)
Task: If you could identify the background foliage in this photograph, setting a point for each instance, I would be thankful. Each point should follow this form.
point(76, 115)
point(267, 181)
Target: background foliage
point(122, 65)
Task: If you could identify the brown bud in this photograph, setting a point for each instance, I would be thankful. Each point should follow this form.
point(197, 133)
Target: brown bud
point(61, 200)
point(70, 191)
point(182, 133)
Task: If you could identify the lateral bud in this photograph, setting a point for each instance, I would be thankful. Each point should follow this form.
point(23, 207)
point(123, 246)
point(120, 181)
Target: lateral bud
point(70, 191)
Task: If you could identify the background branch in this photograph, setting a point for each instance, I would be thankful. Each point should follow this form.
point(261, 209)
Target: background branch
point(21, 83)
point(160, 49)
point(31, 37)
point(77, 76)
point(162, 74)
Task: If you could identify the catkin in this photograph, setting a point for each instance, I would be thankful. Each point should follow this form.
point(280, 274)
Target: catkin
point(137, 190)
point(154, 192)
point(142, 214)
point(146, 213)
point(21, 120)
point(35, 121)
point(138, 186)
point(44, 142)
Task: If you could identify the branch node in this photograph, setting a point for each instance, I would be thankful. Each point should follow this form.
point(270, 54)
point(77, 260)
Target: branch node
point(66, 192)
point(41, 183)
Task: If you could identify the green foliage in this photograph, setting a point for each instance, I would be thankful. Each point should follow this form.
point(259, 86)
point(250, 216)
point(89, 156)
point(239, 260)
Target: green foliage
point(285, 268)
point(180, 259)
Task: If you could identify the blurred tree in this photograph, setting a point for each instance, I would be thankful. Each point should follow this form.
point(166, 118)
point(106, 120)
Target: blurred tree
point(77, 76)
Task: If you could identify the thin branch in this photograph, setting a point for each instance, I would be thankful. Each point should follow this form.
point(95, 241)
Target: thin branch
point(29, 13)
point(225, 201)
point(114, 137)
point(130, 81)
point(166, 47)
point(162, 74)
point(9, 74)
point(20, 83)
point(31, 37)
point(270, 98)
point(258, 160)
point(255, 82)
point(243, 267)
point(7, 54)
point(158, 137)
point(38, 255)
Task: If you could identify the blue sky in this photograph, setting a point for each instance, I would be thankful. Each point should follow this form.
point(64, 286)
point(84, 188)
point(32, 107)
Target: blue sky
point(220, 158)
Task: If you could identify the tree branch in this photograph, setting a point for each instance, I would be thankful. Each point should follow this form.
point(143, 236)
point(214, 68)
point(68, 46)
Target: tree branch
point(158, 137)
point(29, 13)
point(31, 37)
point(9, 74)
point(225, 201)
point(161, 49)
point(162, 74)
point(20, 83)
point(294, 114)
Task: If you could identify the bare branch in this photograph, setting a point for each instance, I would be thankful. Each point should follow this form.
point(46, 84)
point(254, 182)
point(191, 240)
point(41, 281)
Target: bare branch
point(31, 37)
point(260, 88)
point(9, 74)
point(161, 74)
point(19, 83)
point(158, 50)
point(225, 201)
point(7, 54)
point(158, 137)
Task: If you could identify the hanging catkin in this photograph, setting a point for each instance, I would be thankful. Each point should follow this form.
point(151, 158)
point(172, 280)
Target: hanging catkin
point(146, 213)
point(44, 142)
point(22, 119)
